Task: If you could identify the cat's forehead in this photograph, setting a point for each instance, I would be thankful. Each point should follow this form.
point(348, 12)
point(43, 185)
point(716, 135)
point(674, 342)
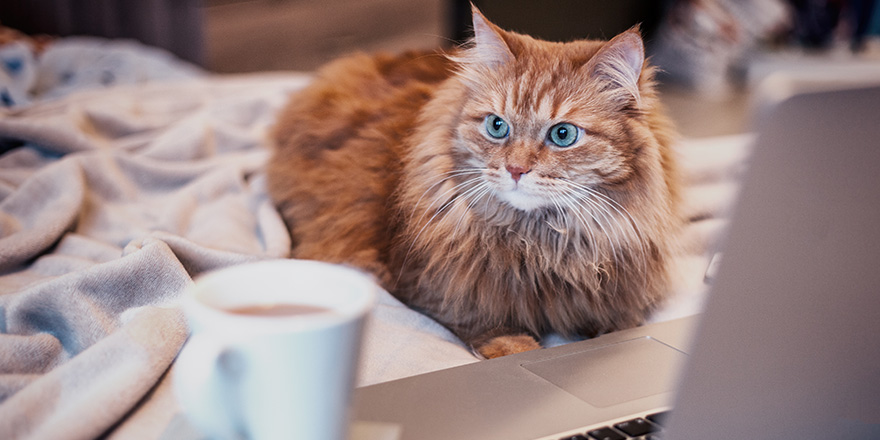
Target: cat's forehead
point(552, 89)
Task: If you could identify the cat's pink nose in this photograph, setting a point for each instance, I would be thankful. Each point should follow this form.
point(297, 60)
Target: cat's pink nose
point(517, 171)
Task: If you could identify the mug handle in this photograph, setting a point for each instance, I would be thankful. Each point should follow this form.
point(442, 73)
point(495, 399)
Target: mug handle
point(205, 383)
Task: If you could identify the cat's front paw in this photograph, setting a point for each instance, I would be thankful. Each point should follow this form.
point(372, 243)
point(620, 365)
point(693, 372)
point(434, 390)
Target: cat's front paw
point(508, 344)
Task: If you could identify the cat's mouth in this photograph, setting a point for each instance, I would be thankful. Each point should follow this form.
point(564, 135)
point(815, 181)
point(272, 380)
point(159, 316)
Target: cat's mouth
point(525, 192)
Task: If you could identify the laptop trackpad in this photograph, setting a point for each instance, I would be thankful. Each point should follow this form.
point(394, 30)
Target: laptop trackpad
point(614, 374)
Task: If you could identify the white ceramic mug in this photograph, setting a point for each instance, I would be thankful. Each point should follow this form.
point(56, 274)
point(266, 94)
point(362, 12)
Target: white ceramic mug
point(249, 374)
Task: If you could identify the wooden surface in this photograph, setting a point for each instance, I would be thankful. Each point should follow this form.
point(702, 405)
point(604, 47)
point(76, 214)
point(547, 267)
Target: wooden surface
point(259, 35)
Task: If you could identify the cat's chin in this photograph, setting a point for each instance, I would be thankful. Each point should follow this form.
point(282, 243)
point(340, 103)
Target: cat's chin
point(522, 201)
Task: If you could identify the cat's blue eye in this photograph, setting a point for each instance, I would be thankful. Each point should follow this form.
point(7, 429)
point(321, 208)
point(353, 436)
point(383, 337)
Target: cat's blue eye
point(497, 127)
point(564, 134)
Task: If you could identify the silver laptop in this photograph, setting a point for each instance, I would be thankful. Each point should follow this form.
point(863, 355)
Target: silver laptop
point(788, 346)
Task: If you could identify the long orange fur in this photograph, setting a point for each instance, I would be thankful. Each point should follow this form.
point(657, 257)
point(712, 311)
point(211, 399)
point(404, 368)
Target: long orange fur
point(384, 163)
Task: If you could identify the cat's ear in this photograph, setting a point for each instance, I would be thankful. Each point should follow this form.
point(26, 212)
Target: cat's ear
point(489, 48)
point(619, 64)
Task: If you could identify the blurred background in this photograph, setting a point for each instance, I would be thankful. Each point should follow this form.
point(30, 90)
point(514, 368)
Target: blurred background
point(712, 52)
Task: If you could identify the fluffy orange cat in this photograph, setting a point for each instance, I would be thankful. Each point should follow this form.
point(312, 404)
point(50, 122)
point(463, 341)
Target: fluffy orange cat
point(509, 189)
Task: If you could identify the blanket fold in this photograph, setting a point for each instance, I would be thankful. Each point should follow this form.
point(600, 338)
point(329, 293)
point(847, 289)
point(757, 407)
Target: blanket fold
point(25, 228)
point(112, 202)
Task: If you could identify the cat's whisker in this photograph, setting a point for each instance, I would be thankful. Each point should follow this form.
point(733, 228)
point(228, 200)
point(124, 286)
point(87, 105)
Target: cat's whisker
point(562, 230)
point(617, 207)
point(614, 204)
point(564, 207)
point(488, 199)
point(442, 197)
point(445, 176)
point(634, 227)
point(442, 178)
point(604, 202)
point(633, 224)
point(566, 210)
point(457, 196)
point(580, 205)
point(466, 195)
point(613, 242)
point(580, 208)
point(478, 193)
point(612, 224)
point(598, 207)
point(439, 211)
point(442, 208)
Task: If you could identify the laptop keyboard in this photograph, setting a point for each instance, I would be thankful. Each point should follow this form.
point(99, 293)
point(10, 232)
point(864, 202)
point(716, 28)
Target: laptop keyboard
point(647, 428)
